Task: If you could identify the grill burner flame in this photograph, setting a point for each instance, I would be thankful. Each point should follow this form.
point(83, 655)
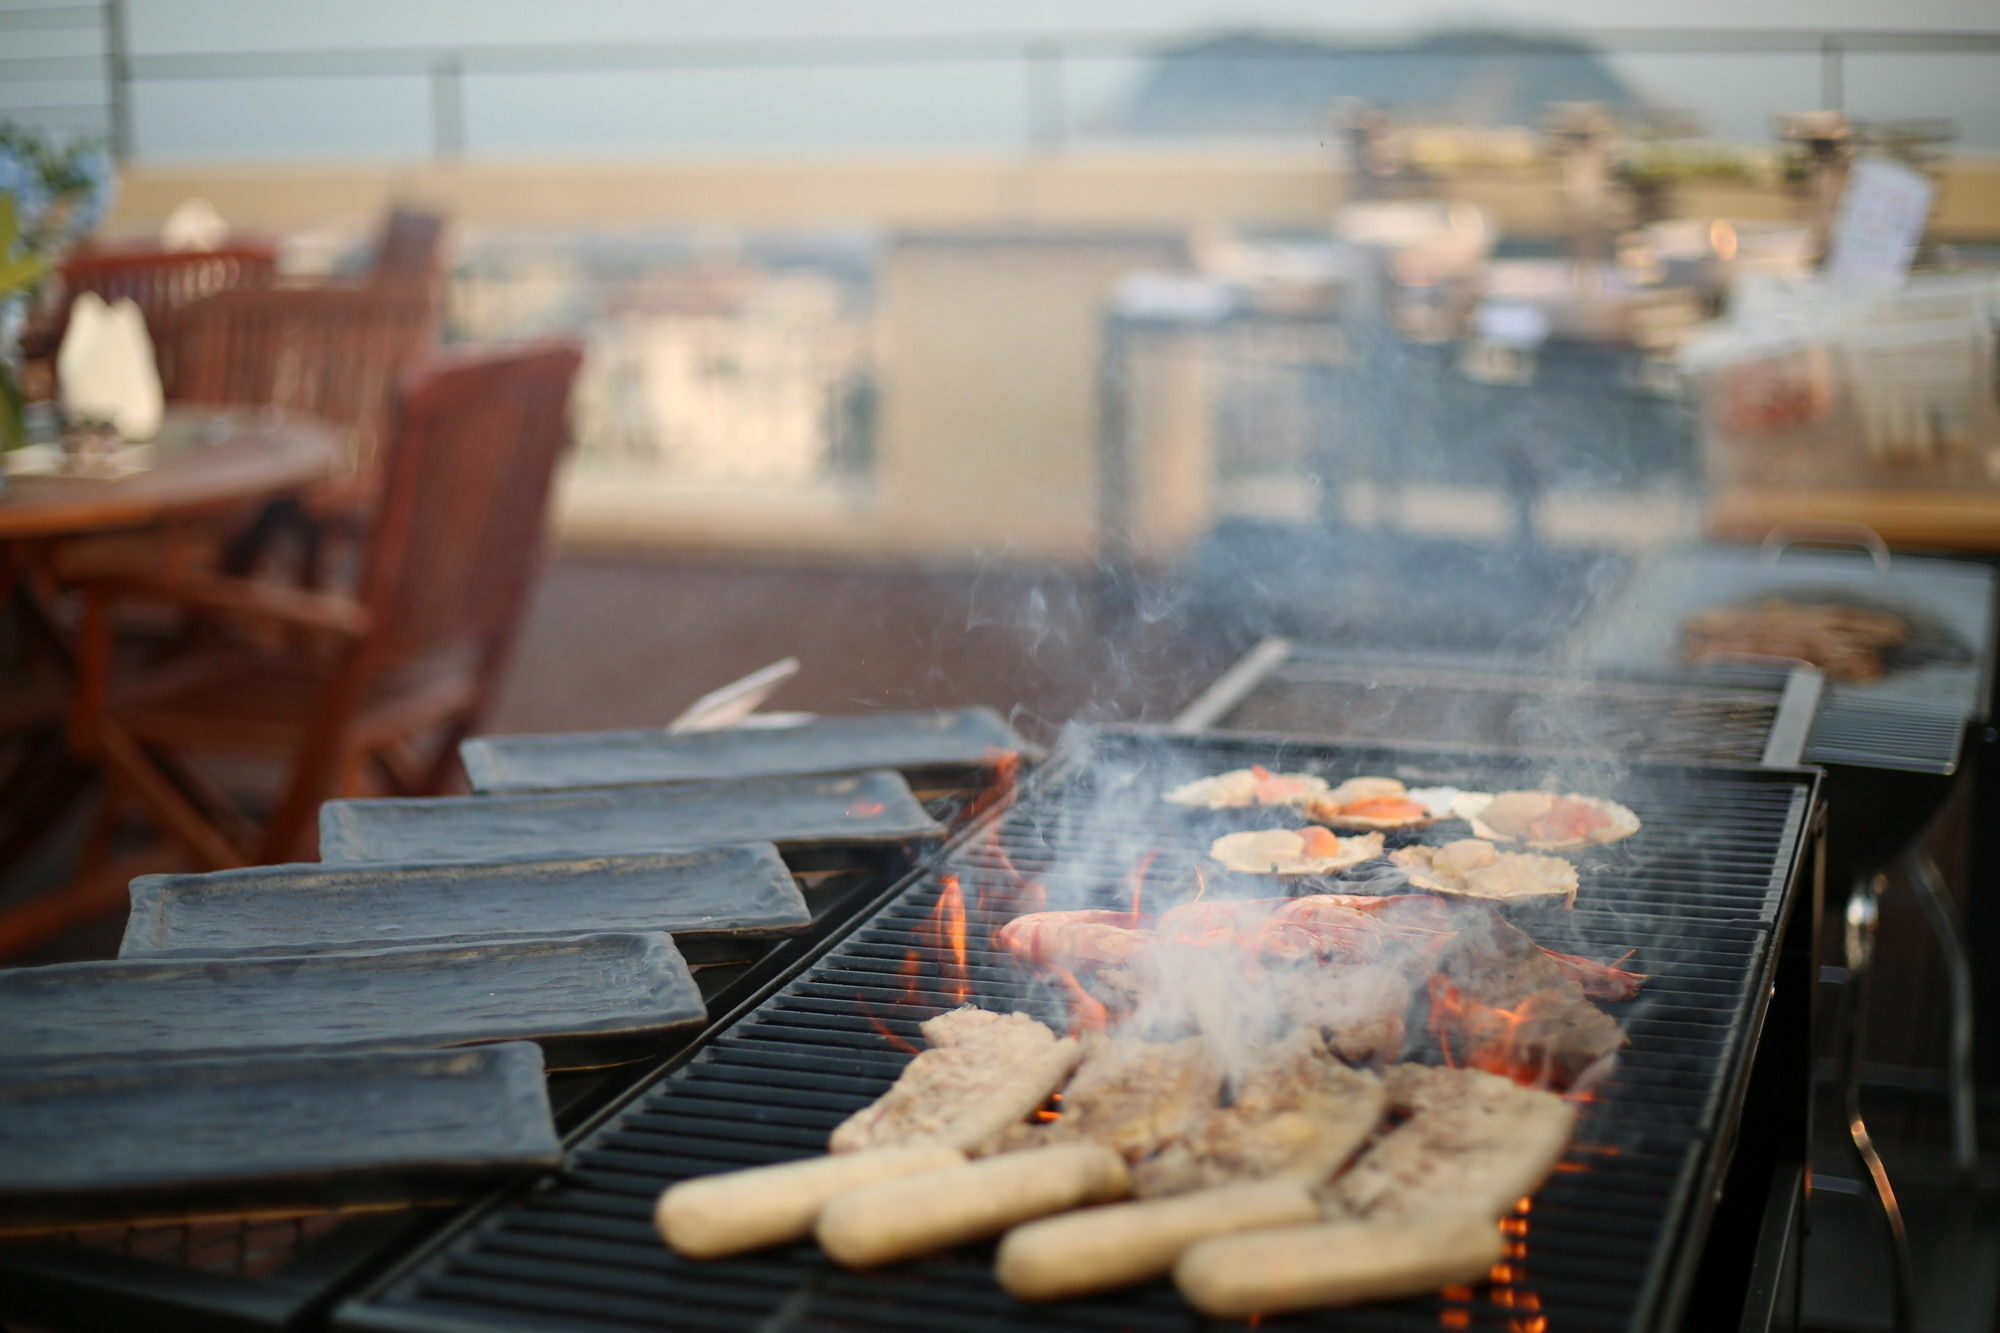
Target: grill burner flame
point(947, 937)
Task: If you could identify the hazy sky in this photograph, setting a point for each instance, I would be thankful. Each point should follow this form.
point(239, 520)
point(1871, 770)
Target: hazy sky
point(223, 24)
point(862, 108)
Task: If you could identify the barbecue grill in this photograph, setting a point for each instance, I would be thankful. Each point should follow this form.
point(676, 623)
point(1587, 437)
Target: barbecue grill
point(1889, 756)
point(1620, 1238)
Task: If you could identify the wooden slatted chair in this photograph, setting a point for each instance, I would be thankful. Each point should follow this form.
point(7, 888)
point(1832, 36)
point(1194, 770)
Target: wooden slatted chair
point(331, 352)
point(396, 674)
point(409, 248)
point(164, 282)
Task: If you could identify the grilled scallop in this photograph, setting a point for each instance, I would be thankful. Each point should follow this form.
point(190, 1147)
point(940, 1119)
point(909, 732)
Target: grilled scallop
point(1545, 821)
point(1307, 851)
point(1379, 803)
point(1475, 869)
point(1242, 787)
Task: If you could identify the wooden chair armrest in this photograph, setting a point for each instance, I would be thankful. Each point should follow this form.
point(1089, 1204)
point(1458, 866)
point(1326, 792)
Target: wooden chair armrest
point(248, 598)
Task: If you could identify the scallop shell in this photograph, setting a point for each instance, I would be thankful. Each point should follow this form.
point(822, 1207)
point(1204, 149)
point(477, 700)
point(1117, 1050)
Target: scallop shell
point(1470, 806)
point(1511, 877)
point(1437, 800)
point(1238, 788)
point(1282, 852)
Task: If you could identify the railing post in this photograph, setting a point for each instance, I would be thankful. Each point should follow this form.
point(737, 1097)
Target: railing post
point(1832, 74)
point(448, 109)
point(117, 80)
point(1047, 113)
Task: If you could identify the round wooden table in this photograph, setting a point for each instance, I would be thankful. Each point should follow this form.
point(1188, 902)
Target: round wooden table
point(207, 462)
point(209, 465)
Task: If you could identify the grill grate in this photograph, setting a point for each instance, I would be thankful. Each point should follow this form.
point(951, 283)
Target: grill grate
point(1699, 893)
point(1283, 688)
point(1866, 733)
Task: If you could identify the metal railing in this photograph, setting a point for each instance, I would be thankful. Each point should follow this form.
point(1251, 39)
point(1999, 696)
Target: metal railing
point(1042, 59)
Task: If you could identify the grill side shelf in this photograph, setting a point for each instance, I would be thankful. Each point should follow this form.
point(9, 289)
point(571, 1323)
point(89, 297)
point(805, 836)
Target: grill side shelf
point(355, 1312)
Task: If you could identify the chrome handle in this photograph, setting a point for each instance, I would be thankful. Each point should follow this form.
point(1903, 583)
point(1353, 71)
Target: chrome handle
point(1826, 532)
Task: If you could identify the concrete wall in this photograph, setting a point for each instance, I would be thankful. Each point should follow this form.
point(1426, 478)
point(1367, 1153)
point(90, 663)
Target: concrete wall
point(1124, 189)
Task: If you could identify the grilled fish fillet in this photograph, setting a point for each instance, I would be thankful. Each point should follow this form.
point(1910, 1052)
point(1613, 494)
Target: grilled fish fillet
point(1135, 1095)
point(982, 1073)
point(1298, 1116)
point(1474, 1144)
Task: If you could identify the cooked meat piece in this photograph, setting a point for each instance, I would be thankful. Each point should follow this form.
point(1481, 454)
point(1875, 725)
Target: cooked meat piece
point(1475, 1143)
point(983, 1072)
point(1134, 1095)
point(1361, 1007)
point(966, 1024)
point(1550, 1029)
point(1495, 962)
point(1846, 642)
point(1298, 1115)
point(1551, 1038)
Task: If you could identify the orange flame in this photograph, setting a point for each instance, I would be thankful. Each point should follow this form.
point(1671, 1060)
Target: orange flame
point(1139, 882)
point(1086, 1012)
point(1006, 766)
point(947, 931)
point(1481, 1036)
point(875, 1022)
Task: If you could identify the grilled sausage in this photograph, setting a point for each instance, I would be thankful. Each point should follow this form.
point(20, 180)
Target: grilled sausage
point(1338, 1263)
point(1098, 1248)
point(745, 1210)
point(896, 1219)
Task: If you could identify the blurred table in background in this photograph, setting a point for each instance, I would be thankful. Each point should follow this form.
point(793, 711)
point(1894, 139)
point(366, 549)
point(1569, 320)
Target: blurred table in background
point(209, 469)
point(206, 462)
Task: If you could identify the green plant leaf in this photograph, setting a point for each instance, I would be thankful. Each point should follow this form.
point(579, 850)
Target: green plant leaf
point(22, 273)
point(10, 224)
point(13, 404)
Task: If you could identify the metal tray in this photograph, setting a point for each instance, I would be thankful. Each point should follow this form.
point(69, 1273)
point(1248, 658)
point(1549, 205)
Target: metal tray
point(795, 813)
point(260, 1134)
point(945, 742)
point(718, 903)
point(589, 1000)
point(1948, 603)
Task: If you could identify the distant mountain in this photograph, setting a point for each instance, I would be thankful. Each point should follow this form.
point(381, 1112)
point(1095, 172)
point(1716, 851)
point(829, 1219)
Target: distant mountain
point(1256, 83)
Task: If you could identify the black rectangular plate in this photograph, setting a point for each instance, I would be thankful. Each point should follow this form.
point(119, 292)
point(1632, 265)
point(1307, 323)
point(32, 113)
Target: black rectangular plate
point(718, 903)
point(588, 1000)
point(180, 1139)
point(920, 745)
point(797, 812)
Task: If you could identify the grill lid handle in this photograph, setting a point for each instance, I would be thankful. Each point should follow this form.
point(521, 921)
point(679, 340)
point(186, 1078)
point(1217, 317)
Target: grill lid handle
point(1825, 532)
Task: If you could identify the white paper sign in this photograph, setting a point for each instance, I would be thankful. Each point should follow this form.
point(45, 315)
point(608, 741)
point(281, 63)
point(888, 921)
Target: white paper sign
point(1882, 216)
